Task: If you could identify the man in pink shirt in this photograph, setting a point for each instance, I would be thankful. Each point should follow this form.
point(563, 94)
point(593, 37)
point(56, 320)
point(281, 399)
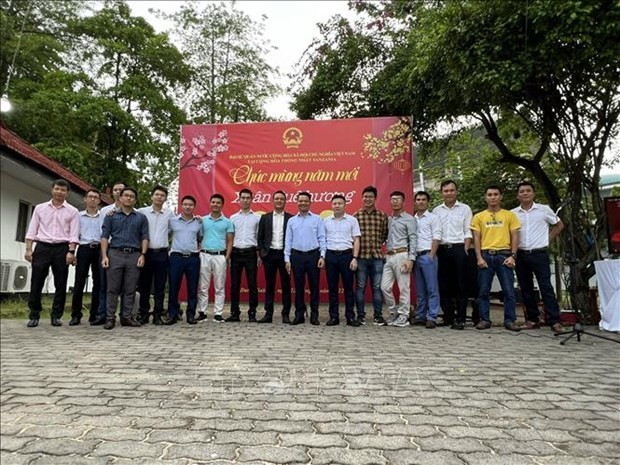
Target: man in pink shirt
point(55, 227)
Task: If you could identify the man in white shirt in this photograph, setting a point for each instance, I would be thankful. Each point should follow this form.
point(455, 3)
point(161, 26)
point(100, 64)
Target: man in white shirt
point(426, 284)
point(533, 256)
point(342, 233)
point(455, 218)
point(155, 272)
point(244, 256)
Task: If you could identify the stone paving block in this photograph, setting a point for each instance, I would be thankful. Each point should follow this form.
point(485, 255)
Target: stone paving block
point(13, 443)
point(117, 434)
point(179, 436)
point(102, 421)
point(511, 446)
point(280, 426)
point(129, 449)
point(59, 447)
point(563, 460)
point(46, 419)
point(584, 449)
point(417, 457)
point(597, 436)
point(7, 458)
point(347, 408)
point(380, 442)
point(272, 454)
point(264, 414)
point(344, 428)
point(73, 460)
point(548, 435)
point(312, 440)
point(469, 432)
point(161, 423)
point(383, 418)
point(54, 432)
point(10, 429)
point(316, 416)
point(334, 455)
point(246, 438)
point(434, 444)
point(97, 410)
point(433, 420)
point(222, 425)
point(480, 458)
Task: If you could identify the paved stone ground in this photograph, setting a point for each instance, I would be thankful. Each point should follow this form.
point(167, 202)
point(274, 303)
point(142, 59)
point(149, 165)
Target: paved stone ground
point(247, 393)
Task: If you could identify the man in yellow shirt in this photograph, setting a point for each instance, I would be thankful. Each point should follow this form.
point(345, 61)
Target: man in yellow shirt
point(496, 238)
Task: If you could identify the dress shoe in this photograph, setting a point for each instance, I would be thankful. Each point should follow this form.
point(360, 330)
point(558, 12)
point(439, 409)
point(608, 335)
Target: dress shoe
point(98, 322)
point(430, 324)
point(286, 320)
point(458, 325)
point(557, 328)
point(191, 321)
point(531, 325)
point(56, 322)
point(92, 318)
point(483, 325)
point(109, 324)
point(355, 323)
point(74, 321)
point(298, 321)
point(265, 319)
point(332, 322)
point(513, 327)
point(143, 319)
point(314, 322)
point(130, 322)
point(252, 319)
point(34, 322)
point(172, 321)
point(233, 319)
point(157, 321)
point(419, 323)
point(201, 316)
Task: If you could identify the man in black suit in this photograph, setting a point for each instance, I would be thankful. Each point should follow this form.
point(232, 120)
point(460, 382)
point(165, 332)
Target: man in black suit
point(271, 232)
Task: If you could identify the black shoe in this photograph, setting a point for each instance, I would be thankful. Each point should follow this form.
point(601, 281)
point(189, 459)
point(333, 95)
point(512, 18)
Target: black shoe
point(157, 321)
point(252, 319)
point(92, 318)
point(265, 319)
point(298, 321)
point(74, 321)
point(98, 322)
point(353, 323)
point(191, 321)
point(56, 322)
point(201, 316)
point(143, 319)
point(172, 321)
point(233, 319)
point(314, 322)
point(379, 321)
point(332, 322)
point(130, 322)
point(286, 320)
point(34, 322)
point(361, 320)
point(109, 324)
point(419, 323)
point(458, 326)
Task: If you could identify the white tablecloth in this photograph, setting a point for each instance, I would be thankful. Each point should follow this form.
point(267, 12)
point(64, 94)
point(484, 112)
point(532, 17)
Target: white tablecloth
point(608, 279)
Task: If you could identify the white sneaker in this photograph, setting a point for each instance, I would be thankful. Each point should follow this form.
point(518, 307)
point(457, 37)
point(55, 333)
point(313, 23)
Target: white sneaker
point(391, 319)
point(401, 321)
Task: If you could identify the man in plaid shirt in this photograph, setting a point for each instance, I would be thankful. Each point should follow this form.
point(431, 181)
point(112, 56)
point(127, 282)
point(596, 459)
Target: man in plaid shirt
point(374, 228)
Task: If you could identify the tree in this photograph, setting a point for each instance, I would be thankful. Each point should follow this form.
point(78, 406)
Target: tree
point(552, 66)
point(225, 50)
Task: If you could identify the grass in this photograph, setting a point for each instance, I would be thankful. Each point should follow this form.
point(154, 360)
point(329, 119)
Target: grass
point(15, 306)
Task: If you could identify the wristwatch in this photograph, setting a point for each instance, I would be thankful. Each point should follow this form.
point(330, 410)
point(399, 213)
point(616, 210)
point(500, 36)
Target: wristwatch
point(513, 255)
point(72, 252)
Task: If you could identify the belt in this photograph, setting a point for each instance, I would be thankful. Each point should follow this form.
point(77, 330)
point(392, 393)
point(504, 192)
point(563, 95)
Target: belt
point(422, 252)
point(214, 252)
point(529, 251)
point(506, 252)
point(303, 252)
point(126, 249)
point(163, 249)
point(244, 250)
point(185, 255)
point(340, 252)
point(53, 244)
point(92, 245)
point(449, 246)
point(398, 250)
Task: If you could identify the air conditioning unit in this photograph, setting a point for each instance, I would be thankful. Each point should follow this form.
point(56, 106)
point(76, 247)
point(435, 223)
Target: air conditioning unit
point(14, 276)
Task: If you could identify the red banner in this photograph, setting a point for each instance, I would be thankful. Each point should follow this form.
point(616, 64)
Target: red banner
point(320, 157)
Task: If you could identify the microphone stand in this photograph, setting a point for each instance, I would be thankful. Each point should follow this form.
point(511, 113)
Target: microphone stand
point(572, 261)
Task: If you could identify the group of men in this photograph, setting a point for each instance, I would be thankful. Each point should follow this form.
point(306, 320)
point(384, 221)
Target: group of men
point(128, 249)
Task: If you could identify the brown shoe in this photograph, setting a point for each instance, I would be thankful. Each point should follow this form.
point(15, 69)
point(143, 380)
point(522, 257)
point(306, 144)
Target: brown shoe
point(513, 327)
point(531, 325)
point(557, 328)
point(130, 322)
point(483, 325)
point(430, 324)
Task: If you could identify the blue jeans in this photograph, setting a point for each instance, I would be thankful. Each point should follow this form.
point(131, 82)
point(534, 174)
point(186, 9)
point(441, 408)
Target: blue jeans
point(190, 267)
point(369, 268)
point(506, 281)
point(427, 288)
point(528, 265)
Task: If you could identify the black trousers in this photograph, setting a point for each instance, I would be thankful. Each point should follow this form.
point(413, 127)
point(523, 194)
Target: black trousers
point(452, 276)
point(44, 257)
point(273, 263)
point(153, 277)
point(304, 264)
point(88, 258)
point(241, 259)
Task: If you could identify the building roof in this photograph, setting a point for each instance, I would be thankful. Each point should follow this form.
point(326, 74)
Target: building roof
point(33, 157)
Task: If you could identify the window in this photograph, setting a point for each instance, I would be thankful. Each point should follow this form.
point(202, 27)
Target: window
point(23, 217)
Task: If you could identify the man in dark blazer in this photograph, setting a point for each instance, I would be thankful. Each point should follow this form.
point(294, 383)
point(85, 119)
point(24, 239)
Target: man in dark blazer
point(271, 232)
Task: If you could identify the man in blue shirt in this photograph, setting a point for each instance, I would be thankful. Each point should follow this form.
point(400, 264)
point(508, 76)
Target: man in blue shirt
point(304, 254)
point(88, 258)
point(122, 256)
point(186, 232)
point(217, 241)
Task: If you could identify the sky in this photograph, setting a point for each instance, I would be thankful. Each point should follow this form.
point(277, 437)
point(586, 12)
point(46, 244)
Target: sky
point(290, 26)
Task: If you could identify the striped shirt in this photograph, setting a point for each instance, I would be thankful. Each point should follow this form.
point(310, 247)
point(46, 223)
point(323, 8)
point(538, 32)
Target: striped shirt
point(374, 229)
point(127, 230)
